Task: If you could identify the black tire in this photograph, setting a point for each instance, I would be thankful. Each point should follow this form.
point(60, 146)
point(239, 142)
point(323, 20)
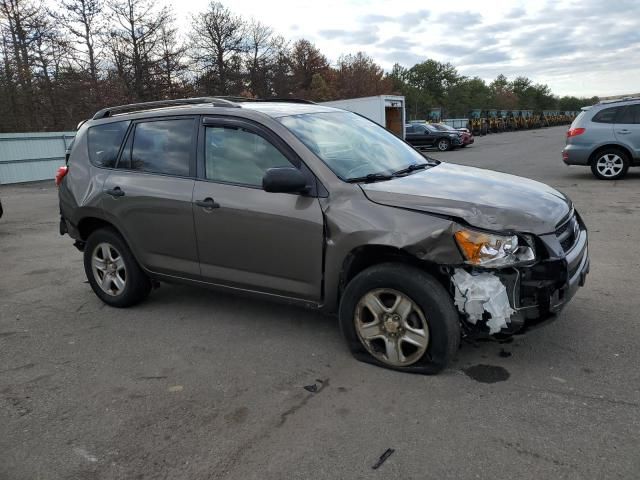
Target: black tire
point(443, 144)
point(435, 302)
point(612, 153)
point(137, 285)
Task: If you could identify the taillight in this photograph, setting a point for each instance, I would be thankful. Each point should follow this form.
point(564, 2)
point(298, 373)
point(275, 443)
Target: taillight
point(574, 132)
point(62, 171)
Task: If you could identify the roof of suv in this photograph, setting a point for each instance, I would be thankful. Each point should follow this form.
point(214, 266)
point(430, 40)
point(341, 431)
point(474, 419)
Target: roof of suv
point(273, 108)
point(618, 100)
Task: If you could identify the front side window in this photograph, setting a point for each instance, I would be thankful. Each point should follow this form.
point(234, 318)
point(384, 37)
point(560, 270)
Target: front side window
point(608, 115)
point(104, 143)
point(163, 146)
point(236, 155)
point(350, 145)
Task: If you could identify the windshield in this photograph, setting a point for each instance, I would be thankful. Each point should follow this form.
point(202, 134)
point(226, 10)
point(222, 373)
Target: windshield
point(352, 146)
point(443, 128)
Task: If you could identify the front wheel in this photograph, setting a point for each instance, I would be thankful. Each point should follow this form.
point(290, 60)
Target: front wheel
point(112, 271)
point(399, 317)
point(443, 145)
point(610, 165)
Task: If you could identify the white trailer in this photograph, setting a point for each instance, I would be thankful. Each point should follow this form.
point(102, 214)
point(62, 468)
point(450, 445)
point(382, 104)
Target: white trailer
point(385, 110)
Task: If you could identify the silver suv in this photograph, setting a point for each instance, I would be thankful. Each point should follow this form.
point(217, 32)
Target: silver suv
point(605, 137)
point(320, 207)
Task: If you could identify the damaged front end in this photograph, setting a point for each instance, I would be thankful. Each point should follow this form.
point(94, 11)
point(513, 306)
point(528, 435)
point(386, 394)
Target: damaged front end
point(511, 283)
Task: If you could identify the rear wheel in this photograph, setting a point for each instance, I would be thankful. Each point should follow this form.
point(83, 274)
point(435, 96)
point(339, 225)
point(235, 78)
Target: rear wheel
point(112, 271)
point(610, 165)
point(399, 317)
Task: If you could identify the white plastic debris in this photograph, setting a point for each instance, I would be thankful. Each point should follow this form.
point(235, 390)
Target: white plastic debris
point(479, 293)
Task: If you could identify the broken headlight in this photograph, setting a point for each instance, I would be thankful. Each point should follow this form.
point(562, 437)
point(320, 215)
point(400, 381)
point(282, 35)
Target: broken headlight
point(489, 250)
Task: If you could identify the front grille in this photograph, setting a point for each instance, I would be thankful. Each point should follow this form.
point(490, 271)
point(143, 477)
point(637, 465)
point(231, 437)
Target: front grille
point(567, 233)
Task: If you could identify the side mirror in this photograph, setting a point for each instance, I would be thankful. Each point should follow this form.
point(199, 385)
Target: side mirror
point(284, 180)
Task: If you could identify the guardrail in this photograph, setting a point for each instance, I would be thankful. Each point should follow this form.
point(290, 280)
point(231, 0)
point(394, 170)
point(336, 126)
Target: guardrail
point(27, 157)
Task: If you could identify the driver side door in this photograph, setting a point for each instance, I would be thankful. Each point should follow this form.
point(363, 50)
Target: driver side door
point(248, 238)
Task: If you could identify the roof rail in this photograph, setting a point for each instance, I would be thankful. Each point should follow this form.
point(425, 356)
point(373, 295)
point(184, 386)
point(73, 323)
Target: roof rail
point(616, 100)
point(266, 100)
point(215, 101)
point(286, 100)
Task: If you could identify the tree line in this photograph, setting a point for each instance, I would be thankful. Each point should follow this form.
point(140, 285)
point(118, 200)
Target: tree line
point(60, 64)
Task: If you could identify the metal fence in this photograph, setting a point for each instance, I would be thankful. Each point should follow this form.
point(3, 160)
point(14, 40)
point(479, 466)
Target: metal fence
point(27, 157)
point(456, 122)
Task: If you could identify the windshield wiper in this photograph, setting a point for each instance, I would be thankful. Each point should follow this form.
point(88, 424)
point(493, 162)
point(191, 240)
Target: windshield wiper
point(411, 168)
point(372, 177)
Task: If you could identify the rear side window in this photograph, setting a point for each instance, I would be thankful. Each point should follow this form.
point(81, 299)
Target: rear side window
point(163, 146)
point(104, 143)
point(631, 114)
point(608, 115)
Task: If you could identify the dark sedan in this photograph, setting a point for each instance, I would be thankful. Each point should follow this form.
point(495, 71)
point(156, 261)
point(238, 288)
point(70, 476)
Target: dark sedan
point(422, 135)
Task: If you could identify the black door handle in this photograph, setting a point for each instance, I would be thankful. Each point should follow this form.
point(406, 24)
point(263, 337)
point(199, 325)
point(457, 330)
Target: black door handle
point(208, 203)
point(115, 192)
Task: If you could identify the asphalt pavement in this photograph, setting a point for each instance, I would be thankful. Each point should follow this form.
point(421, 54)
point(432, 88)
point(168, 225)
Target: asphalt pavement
point(194, 384)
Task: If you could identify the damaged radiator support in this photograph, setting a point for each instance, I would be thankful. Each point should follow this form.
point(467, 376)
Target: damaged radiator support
point(482, 293)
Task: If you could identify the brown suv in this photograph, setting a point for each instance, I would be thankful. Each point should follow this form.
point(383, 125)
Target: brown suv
point(321, 207)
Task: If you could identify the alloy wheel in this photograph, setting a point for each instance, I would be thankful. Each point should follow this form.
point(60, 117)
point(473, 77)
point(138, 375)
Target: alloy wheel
point(610, 165)
point(443, 145)
point(108, 269)
point(392, 327)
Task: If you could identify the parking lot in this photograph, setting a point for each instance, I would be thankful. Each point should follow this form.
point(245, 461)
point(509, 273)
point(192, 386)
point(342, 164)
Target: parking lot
point(196, 384)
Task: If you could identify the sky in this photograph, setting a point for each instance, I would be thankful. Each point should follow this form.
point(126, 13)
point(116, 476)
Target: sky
point(581, 47)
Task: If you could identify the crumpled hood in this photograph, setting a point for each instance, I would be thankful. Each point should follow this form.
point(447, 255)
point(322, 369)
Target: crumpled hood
point(483, 198)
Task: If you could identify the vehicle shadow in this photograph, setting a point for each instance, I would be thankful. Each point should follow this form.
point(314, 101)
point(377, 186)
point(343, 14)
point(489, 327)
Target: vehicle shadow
point(201, 307)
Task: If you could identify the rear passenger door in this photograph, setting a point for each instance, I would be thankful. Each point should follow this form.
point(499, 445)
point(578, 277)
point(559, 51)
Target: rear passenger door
point(249, 238)
point(427, 137)
point(627, 128)
point(148, 194)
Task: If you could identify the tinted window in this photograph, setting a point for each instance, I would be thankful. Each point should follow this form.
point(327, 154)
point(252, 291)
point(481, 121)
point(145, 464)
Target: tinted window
point(236, 155)
point(163, 146)
point(608, 115)
point(631, 114)
point(409, 129)
point(104, 143)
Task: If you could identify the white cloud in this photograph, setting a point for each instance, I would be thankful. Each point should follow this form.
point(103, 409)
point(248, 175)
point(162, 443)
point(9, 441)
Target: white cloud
point(581, 47)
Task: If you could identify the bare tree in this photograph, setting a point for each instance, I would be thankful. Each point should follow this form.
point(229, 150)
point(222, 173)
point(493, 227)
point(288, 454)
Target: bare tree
point(217, 41)
point(50, 55)
point(282, 76)
point(83, 19)
point(18, 20)
point(260, 57)
point(171, 66)
point(134, 42)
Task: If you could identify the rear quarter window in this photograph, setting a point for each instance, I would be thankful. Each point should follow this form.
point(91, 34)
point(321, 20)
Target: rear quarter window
point(608, 115)
point(104, 143)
